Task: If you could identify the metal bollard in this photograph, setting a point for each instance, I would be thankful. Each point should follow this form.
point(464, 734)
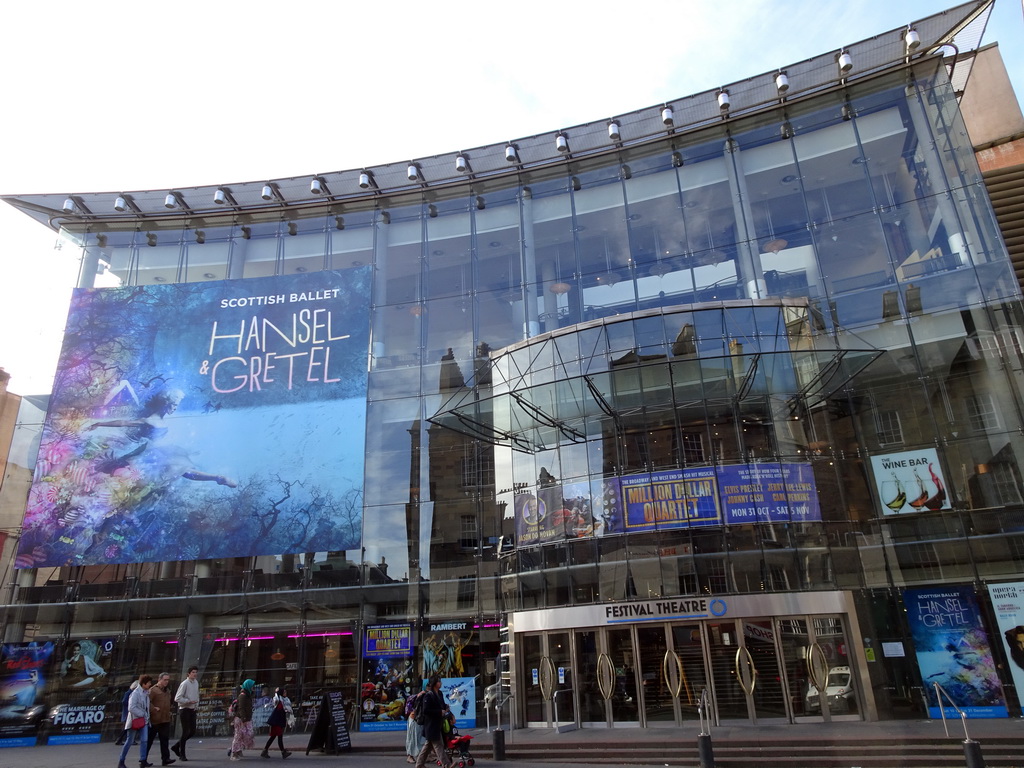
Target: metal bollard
point(972, 754)
point(499, 745)
point(706, 755)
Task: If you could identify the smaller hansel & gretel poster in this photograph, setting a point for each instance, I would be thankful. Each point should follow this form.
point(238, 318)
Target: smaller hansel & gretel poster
point(388, 677)
point(953, 650)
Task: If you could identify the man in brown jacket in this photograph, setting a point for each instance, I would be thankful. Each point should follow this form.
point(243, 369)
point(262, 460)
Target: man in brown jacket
point(160, 717)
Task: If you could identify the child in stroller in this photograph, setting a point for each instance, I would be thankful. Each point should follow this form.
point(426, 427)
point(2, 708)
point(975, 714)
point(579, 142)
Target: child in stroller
point(456, 744)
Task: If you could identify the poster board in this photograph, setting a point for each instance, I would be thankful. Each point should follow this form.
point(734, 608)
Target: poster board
point(330, 731)
point(952, 649)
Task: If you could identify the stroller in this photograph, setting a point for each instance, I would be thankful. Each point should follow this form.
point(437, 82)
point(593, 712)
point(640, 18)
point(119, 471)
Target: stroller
point(456, 744)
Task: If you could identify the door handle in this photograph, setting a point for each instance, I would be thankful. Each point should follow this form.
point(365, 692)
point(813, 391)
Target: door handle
point(605, 676)
point(746, 674)
point(672, 669)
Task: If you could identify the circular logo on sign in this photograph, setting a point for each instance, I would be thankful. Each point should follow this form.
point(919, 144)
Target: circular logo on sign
point(717, 607)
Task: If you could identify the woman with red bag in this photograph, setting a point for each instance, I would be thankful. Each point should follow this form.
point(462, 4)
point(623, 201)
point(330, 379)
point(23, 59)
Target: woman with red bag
point(138, 720)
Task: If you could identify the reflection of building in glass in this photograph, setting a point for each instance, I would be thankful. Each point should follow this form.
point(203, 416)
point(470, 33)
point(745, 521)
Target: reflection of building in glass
point(703, 397)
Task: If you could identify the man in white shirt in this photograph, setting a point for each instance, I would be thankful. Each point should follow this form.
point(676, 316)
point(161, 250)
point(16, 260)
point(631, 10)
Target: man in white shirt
point(187, 699)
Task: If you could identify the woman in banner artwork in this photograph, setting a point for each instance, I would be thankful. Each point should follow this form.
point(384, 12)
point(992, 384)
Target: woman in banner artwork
point(134, 467)
point(147, 454)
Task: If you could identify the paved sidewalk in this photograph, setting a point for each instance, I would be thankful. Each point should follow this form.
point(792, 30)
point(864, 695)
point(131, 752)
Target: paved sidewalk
point(387, 750)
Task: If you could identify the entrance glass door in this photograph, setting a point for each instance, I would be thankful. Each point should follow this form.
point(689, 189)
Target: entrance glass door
point(589, 665)
point(841, 698)
point(688, 643)
point(533, 700)
point(625, 697)
point(770, 691)
point(652, 674)
point(563, 708)
point(657, 675)
point(725, 654)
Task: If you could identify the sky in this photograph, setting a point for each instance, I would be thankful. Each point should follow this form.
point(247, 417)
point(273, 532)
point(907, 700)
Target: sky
point(111, 96)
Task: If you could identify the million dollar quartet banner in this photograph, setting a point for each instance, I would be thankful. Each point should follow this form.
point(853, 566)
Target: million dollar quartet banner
point(1008, 605)
point(685, 498)
point(953, 650)
point(388, 677)
point(204, 420)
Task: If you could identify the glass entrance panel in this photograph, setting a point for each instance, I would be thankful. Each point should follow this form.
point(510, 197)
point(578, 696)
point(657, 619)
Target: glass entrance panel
point(728, 692)
point(533, 701)
point(769, 693)
point(655, 690)
point(589, 700)
point(686, 639)
point(796, 648)
point(624, 699)
point(563, 710)
point(840, 693)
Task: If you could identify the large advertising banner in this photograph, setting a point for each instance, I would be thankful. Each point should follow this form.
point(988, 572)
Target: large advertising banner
point(557, 511)
point(953, 650)
point(731, 495)
point(81, 699)
point(443, 645)
point(679, 498)
point(1008, 604)
point(768, 493)
point(23, 683)
point(910, 481)
point(388, 677)
point(204, 420)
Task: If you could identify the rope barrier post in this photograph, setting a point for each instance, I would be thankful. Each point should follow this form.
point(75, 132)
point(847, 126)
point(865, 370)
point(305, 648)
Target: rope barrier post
point(707, 755)
point(498, 744)
point(972, 754)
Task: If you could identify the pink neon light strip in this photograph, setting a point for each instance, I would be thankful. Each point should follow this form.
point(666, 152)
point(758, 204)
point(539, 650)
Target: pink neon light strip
point(228, 639)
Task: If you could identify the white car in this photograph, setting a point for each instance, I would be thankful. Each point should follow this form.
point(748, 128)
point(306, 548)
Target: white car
point(838, 690)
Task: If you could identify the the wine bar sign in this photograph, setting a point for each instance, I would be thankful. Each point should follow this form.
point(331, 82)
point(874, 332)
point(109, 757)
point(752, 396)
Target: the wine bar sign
point(910, 481)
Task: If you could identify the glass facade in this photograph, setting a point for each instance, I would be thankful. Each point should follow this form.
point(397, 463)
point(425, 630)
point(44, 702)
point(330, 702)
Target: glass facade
point(760, 378)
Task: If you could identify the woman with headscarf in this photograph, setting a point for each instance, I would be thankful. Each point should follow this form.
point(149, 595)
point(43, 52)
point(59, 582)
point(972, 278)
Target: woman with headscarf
point(243, 721)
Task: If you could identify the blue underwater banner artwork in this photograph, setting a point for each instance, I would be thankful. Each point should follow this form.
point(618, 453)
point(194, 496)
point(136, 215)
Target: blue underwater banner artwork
point(204, 420)
point(953, 650)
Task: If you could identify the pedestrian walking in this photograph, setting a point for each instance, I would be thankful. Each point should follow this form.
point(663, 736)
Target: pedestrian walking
point(160, 717)
point(243, 721)
point(187, 699)
point(138, 711)
point(432, 711)
point(127, 732)
point(278, 720)
point(413, 734)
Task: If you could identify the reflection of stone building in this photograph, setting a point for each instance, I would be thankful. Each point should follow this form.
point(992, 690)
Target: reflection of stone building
point(705, 395)
point(14, 478)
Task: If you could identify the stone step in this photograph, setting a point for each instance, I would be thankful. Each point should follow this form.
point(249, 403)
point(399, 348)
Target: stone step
point(912, 753)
